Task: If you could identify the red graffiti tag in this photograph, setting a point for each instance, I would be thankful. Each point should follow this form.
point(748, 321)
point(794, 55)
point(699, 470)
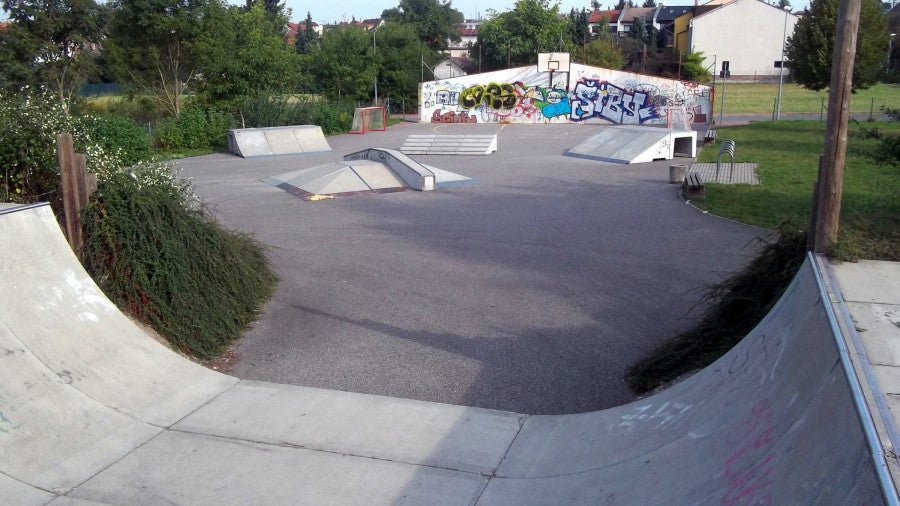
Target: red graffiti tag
point(752, 462)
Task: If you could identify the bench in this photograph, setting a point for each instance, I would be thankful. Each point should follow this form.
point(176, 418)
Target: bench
point(710, 136)
point(727, 147)
point(693, 186)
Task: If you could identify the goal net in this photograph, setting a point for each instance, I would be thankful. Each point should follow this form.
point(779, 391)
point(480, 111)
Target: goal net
point(366, 119)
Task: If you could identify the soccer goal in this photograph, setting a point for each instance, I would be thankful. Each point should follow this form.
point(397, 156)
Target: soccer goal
point(366, 119)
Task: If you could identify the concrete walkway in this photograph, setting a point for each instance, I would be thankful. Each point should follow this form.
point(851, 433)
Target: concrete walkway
point(92, 410)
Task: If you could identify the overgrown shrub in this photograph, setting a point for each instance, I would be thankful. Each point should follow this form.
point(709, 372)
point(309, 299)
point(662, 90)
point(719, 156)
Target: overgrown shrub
point(267, 109)
point(197, 127)
point(156, 253)
point(888, 150)
point(120, 135)
point(739, 303)
point(30, 120)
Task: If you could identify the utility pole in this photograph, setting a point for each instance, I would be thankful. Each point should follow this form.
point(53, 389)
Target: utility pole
point(829, 187)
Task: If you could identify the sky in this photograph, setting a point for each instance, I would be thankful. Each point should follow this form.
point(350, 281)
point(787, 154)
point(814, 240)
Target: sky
point(330, 11)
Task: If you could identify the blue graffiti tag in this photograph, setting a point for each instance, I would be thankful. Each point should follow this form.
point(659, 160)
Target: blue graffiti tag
point(595, 98)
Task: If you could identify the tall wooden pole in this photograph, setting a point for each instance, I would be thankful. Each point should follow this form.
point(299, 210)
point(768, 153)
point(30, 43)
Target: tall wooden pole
point(830, 187)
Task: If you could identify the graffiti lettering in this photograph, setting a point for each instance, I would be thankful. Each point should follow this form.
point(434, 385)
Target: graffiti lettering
point(610, 102)
point(452, 117)
point(750, 465)
point(446, 97)
point(494, 95)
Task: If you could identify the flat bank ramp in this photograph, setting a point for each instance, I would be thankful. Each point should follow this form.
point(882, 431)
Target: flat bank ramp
point(636, 144)
point(92, 410)
point(270, 141)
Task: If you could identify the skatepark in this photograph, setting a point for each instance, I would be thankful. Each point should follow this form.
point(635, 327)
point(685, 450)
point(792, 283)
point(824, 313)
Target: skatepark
point(457, 346)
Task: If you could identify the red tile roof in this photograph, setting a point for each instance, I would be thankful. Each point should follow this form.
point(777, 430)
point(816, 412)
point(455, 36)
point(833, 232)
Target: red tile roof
point(611, 16)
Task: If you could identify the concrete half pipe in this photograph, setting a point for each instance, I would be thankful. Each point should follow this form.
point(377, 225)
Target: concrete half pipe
point(92, 409)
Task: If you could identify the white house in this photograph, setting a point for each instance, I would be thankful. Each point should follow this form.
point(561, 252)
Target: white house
point(749, 34)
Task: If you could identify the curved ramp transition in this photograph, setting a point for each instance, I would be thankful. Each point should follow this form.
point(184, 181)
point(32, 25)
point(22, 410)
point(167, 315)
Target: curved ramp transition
point(92, 409)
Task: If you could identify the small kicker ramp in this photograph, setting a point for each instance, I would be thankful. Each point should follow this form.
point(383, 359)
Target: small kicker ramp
point(447, 144)
point(636, 144)
point(92, 409)
point(287, 140)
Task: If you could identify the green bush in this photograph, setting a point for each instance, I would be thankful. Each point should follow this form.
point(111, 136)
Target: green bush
point(267, 109)
point(156, 253)
point(120, 135)
point(197, 127)
point(888, 150)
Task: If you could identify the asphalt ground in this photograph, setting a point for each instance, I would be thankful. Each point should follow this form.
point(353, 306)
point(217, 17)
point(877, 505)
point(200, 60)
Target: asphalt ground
point(531, 291)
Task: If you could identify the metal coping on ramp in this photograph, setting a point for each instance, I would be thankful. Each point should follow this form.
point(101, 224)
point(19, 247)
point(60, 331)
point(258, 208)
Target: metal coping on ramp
point(449, 144)
point(271, 141)
point(92, 409)
point(636, 144)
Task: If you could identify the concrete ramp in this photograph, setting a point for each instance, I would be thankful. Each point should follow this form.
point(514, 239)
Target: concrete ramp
point(287, 140)
point(448, 144)
point(636, 144)
point(366, 172)
point(92, 409)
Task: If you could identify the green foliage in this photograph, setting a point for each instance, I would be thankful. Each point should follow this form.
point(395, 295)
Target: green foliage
point(787, 153)
point(602, 53)
point(693, 68)
point(197, 127)
point(151, 44)
point(241, 52)
point(738, 304)
point(514, 38)
point(435, 22)
point(120, 135)
point(580, 30)
point(888, 150)
point(306, 37)
point(810, 48)
point(30, 120)
point(399, 61)
point(157, 255)
point(41, 45)
point(343, 64)
point(267, 109)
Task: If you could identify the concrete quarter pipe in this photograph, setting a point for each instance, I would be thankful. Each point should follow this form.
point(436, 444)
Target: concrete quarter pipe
point(92, 409)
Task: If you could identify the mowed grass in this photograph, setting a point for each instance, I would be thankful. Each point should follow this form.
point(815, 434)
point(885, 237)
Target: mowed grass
point(787, 153)
point(759, 98)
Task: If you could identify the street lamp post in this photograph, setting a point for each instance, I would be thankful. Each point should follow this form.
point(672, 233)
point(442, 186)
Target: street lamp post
point(781, 66)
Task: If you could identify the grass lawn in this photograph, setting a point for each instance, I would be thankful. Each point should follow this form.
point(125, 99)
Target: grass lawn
point(759, 98)
point(787, 153)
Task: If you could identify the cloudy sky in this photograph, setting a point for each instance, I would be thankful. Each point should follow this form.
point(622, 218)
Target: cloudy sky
point(329, 11)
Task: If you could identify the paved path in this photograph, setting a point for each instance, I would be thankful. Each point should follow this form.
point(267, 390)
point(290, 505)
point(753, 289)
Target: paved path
point(530, 292)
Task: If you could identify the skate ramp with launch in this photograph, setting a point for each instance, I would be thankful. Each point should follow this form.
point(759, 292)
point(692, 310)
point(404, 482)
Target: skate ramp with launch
point(636, 144)
point(93, 409)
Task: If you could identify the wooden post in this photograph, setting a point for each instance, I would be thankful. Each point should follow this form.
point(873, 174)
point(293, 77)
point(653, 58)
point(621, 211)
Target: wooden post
point(830, 187)
point(77, 186)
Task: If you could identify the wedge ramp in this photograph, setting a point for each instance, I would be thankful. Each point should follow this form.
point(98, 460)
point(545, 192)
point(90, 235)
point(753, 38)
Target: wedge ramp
point(92, 410)
point(636, 144)
point(287, 140)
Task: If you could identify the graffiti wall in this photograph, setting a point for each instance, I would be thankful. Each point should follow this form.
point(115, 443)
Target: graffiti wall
point(585, 94)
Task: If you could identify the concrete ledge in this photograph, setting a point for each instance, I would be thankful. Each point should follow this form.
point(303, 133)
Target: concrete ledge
point(413, 173)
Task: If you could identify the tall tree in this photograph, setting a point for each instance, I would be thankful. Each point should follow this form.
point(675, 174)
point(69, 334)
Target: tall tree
point(809, 50)
point(343, 64)
point(580, 27)
point(515, 37)
point(435, 21)
point(399, 56)
point(51, 42)
point(151, 44)
point(306, 36)
point(639, 31)
point(241, 54)
point(650, 3)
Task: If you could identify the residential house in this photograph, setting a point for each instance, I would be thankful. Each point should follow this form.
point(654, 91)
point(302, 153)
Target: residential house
point(452, 66)
point(629, 14)
point(749, 34)
point(469, 30)
point(664, 21)
point(612, 17)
